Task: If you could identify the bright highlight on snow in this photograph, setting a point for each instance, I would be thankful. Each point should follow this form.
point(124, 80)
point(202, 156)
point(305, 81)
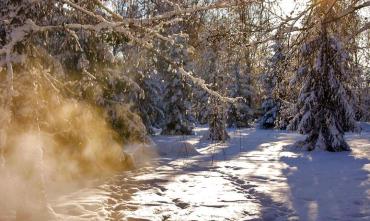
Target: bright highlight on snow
point(184, 110)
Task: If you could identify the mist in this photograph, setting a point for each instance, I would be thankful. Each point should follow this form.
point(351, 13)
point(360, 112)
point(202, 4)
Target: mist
point(49, 142)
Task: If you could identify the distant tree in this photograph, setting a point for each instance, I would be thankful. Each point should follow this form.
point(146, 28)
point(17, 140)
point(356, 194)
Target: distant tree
point(217, 121)
point(271, 82)
point(177, 106)
point(217, 116)
point(179, 118)
point(150, 105)
point(239, 114)
point(201, 106)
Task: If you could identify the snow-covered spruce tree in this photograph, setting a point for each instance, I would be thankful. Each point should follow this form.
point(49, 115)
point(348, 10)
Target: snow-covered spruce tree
point(200, 106)
point(270, 81)
point(287, 111)
point(217, 116)
point(177, 106)
point(325, 104)
point(217, 121)
point(210, 109)
point(365, 102)
point(145, 90)
point(362, 89)
point(177, 96)
point(240, 112)
point(204, 62)
point(270, 108)
point(150, 105)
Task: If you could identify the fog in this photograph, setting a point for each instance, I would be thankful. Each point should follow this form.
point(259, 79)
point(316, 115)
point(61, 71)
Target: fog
point(47, 139)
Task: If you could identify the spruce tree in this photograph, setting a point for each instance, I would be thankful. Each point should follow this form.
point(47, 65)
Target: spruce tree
point(217, 115)
point(270, 81)
point(177, 99)
point(200, 106)
point(179, 120)
point(240, 112)
point(217, 122)
point(150, 104)
point(325, 102)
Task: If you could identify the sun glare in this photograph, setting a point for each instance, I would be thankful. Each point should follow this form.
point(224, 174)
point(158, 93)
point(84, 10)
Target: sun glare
point(291, 6)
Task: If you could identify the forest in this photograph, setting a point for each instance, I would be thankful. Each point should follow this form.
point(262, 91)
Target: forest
point(185, 110)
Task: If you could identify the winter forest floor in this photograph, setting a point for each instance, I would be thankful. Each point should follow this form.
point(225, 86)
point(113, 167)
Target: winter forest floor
point(254, 176)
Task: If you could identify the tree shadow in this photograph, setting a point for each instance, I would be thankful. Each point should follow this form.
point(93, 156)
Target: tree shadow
point(242, 142)
point(329, 186)
point(246, 145)
point(338, 192)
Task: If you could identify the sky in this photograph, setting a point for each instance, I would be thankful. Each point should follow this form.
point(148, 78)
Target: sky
point(286, 5)
point(289, 5)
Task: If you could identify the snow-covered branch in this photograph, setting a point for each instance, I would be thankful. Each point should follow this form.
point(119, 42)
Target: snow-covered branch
point(127, 27)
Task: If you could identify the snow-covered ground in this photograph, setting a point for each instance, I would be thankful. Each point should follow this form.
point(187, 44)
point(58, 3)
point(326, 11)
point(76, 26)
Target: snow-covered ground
point(254, 176)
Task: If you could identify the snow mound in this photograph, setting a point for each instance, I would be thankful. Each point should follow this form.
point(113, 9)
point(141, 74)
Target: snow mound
point(138, 155)
point(178, 149)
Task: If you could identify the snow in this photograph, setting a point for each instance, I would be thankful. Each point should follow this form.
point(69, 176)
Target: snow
point(254, 176)
point(365, 126)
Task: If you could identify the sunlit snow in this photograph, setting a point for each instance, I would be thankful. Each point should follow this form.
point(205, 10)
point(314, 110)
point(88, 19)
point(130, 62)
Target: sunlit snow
point(254, 176)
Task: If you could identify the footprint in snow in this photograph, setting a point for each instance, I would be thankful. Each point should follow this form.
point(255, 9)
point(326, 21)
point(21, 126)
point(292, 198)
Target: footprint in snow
point(136, 219)
point(180, 203)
